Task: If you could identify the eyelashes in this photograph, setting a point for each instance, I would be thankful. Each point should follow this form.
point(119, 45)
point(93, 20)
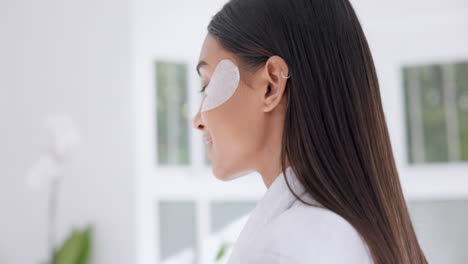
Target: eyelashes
point(203, 89)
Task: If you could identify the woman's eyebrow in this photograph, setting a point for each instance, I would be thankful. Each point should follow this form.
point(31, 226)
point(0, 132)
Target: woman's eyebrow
point(201, 64)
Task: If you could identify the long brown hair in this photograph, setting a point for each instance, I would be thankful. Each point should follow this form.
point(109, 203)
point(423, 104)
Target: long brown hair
point(335, 136)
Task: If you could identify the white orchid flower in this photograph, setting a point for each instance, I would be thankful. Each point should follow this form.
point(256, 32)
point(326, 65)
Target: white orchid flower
point(63, 141)
point(45, 171)
point(64, 134)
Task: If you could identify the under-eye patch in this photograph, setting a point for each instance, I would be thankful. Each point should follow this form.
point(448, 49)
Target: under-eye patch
point(224, 82)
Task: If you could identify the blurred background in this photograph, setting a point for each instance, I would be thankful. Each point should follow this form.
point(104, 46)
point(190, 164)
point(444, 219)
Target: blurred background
point(96, 100)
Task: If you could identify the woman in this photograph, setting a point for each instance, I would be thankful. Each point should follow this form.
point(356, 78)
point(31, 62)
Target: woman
point(290, 91)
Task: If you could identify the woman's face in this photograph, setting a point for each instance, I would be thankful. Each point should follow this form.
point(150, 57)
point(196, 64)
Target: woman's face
point(242, 112)
point(230, 114)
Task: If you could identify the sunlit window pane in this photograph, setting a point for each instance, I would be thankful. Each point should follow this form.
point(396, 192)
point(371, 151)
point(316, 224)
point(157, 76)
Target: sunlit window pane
point(441, 228)
point(177, 229)
point(436, 112)
point(172, 114)
point(433, 113)
point(462, 106)
point(224, 213)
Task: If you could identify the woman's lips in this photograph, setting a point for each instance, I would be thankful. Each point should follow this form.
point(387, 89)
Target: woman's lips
point(207, 139)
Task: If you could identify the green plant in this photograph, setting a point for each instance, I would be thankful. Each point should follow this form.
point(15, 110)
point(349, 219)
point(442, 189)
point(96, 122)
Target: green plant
point(222, 251)
point(76, 248)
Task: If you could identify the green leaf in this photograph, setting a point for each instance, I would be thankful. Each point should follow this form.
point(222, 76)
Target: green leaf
point(76, 249)
point(222, 251)
point(86, 246)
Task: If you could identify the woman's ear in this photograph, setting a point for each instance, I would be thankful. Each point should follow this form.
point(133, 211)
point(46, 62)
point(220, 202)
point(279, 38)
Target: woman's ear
point(276, 74)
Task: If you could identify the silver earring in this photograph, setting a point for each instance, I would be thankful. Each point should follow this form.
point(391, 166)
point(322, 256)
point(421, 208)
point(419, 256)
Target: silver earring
point(286, 77)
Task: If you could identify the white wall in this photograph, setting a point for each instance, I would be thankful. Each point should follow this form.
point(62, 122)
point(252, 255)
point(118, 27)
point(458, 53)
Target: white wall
point(67, 56)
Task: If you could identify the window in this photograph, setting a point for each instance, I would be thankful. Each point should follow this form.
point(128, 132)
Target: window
point(183, 241)
point(436, 100)
point(172, 114)
point(441, 229)
point(225, 212)
point(177, 225)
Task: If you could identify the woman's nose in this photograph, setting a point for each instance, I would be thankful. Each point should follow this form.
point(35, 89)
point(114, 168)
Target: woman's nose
point(197, 121)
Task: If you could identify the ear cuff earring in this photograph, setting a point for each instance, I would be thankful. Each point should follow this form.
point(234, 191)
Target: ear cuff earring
point(286, 77)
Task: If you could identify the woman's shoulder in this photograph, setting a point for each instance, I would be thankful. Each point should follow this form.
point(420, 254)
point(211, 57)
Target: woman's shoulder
point(315, 218)
point(315, 233)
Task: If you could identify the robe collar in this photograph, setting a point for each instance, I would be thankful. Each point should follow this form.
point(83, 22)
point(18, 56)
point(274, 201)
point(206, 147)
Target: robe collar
point(277, 199)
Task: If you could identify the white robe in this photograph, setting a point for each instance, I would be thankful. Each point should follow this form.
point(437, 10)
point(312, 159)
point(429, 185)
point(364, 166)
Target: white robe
point(282, 230)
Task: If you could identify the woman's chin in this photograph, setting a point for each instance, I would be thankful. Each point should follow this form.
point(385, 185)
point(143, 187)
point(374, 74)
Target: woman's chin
point(226, 174)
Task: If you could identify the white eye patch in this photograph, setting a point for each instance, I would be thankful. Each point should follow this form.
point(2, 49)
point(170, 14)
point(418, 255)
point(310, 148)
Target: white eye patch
point(223, 84)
